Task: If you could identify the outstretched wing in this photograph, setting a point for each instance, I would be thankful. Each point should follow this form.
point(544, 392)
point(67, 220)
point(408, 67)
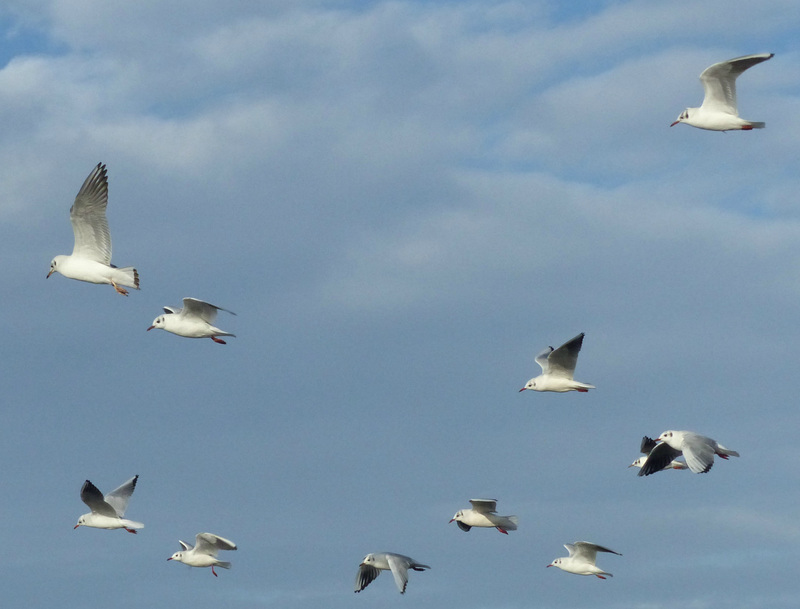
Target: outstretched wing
point(719, 82)
point(647, 445)
point(208, 543)
point(588, 551)
point(92, 497)
point(399, 566)
point(119, 497)
point(661, 456)
point(204, 310)
point(88, 217)
point(564, 359)
point(542, 360)
point(484, 506)
point(365, 576)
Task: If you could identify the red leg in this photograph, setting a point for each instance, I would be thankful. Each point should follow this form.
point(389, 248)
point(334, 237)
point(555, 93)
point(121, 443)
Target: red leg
point(503, 531)
point(583, 390)
point(218, 340)
point(214, 572)
point(600, 576)
point(130, 530)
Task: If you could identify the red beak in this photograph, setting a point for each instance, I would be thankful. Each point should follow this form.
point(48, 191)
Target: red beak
point(150, 328)
point(675, 123)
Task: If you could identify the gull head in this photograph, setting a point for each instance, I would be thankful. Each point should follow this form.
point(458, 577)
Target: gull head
point(177, 556)
point(54, 265)
point(555, 563)
point(368, 560)
point(639, 462)
point(683, 117)
point(159, 322)
point(673, 438)
point(81, 522)
point(531, 384)
point(459, 515)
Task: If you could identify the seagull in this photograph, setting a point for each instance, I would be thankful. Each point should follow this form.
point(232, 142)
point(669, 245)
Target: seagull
point(648, 444)
point(581, 559)
point(373, 564)
point(698, 451)
point(558, 366)
point(107, 512)
point(718, 111)
point(91, 257)
point(192, 321)
point(204, 552)
point(483, 514)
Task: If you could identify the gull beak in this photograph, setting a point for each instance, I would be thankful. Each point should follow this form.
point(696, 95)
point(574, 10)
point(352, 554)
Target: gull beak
point(170, 558)
point(75, 527)
point(150, 328)
point(550, 565)
point(523, 389)
point(675, 123)
point(50, 273)
point(451, 520)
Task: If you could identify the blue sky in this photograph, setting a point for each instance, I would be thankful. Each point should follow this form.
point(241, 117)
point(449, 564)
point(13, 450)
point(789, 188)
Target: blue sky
point(403, 202)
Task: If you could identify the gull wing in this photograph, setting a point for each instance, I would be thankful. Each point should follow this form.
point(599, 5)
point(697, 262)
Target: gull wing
point(208, 543)
point(648, 444)
point(204, 310)
point(92, 497)
point(187, 547)
point(120, 496)
point(698, 452)
point(365, 576)
point(588, 551)
point(719, 82)
point(172, 310)
point(661, 456)
point(88, 217)
point(542, 360)
point(399, 566)
point(484, 506)
point(564, 359)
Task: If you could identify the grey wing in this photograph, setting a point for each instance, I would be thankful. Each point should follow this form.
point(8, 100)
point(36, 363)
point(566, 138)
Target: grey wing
point(484, 506)
point(208, 543)
point(172, 310)
point(542, 360)
point(92, 497)
point(365, 576)
point(187, 547)
point(119, 497)
point(88, 217)
point(661, 456)
point(462, 526)
point(647, 445)
point(204, 310)
point(588, 551)
point(564, 359)
point(399, 566)
point(698, 452)
point(597, 548)
point(719, 82)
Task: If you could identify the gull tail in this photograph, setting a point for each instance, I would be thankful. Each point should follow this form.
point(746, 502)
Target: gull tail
point(511, 523)
point(127, 276)
point(224, 565)
point(724, 452)
point(132, 524)
point(756, 125)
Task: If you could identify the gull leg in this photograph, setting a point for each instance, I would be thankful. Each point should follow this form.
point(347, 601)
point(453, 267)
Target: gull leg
point(600, 576)
point(130, 530)
point(122, 291)
point(214, 572)
point(503, 531)
point(218, 340)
